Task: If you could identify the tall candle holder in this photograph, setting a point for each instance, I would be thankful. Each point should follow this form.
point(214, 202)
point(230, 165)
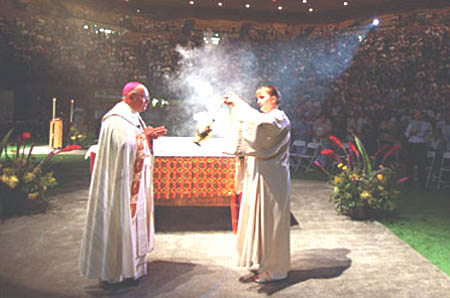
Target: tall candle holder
point(72, 101)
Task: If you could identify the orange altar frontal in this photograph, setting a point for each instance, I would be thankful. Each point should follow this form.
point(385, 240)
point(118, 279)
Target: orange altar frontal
point(193, 181)
point(185, 174)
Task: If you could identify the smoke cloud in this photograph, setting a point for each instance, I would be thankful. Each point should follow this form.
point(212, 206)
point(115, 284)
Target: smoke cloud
point(206, 74)
point(304, 69)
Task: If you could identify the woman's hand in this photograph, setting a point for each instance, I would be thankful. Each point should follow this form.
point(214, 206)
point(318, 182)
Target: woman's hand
point(231, 99)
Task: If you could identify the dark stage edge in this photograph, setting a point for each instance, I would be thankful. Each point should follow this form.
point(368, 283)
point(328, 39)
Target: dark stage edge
point(332, 256)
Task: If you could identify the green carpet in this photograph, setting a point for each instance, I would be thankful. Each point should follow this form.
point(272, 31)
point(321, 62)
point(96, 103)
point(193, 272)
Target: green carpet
point(423, 221)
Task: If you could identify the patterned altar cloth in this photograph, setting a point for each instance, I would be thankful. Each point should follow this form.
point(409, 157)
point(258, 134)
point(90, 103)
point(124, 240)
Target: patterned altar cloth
point(185, 174)
point(193, 181)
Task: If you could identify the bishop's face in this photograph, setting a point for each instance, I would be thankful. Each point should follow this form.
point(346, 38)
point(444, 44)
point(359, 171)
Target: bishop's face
point(139, 100)
point(265, 101)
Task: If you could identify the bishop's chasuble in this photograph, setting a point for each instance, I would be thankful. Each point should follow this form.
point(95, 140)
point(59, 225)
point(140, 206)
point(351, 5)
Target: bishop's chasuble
point(119, 228)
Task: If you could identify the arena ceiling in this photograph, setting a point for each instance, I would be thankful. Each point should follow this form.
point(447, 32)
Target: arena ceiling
point(275, 10)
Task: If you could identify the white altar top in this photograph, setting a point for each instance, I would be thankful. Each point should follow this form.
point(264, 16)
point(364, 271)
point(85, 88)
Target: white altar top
point(184, 146)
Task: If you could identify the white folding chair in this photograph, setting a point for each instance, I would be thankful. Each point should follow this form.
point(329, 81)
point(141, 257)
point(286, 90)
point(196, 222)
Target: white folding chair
point(307, 157)
point(444, 171)
point(297, 148)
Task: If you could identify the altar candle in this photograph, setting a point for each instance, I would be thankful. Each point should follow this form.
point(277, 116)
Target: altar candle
point(72, 101)
point(54, 108)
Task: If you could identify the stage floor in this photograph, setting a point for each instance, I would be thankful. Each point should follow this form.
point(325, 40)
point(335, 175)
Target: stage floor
point(332, 256)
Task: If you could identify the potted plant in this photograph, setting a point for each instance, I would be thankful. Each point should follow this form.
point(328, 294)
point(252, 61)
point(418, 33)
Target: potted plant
point(24, 182)
point(363, 187)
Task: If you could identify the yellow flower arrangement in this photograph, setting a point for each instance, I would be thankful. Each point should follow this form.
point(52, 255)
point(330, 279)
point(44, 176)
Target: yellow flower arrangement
point(78, 137)
point(361, 183)
point(337, 179)
point(11, 181)
point(22, 178)
point(28, 177)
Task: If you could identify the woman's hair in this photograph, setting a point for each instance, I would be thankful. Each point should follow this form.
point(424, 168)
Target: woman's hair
point(273, 91)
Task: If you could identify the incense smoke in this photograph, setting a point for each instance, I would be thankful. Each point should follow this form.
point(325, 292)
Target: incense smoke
point(304, 69)
point(205, 76)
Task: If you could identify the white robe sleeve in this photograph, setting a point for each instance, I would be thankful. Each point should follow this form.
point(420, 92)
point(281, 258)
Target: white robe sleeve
point(256, 134)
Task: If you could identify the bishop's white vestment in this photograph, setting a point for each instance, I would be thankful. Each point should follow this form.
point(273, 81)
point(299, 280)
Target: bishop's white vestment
point(119, 228)
point(264, 218)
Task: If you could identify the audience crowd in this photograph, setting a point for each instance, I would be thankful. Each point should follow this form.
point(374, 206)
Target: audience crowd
point(337, 79)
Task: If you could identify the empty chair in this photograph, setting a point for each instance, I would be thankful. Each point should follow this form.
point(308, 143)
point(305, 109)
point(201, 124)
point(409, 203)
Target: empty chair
point(308, 156)
point(444, 171)
point(297, 148)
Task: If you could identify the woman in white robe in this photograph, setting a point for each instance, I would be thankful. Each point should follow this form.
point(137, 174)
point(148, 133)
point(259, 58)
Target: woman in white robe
point(263, 244)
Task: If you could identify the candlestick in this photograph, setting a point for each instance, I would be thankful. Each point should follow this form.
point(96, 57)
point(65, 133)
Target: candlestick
point(54, 108)
point(72, 101)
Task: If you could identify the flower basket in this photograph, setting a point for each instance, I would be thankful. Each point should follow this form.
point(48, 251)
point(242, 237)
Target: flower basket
point(359, 213)
point(16, 202)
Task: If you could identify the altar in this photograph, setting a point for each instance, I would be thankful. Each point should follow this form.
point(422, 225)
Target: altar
point(186, 174)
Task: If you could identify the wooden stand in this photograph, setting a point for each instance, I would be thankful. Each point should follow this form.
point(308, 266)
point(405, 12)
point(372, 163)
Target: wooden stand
point(56, 133)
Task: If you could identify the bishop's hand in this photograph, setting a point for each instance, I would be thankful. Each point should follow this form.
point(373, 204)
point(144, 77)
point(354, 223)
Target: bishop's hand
point(155, 132)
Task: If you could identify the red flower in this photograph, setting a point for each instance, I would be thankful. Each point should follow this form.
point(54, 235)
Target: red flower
point(382, 148)
point(329, 152)
point(337, 142)
point(394, 149)
point(353, 148)
point(26, 135)
point(401, 180)
point(70, 148)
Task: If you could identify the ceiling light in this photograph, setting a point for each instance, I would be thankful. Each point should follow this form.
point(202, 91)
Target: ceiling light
point(247, 5)
point(310, 9)
point(345, 3)
point(280, 7)
point(305, 1)
point(191, 2)
point(138, 10)
point(220, 4)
